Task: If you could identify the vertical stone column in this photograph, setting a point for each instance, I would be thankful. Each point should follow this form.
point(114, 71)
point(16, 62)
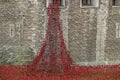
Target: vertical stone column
point(31, 19)
point(102, 16)
point(41, 25)
point(35, 25)
point(64, 17)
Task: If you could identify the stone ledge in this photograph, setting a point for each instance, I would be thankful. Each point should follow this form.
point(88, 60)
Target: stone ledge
point(95, 63)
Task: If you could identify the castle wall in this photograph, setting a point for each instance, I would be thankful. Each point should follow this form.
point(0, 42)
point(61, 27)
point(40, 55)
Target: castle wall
point(112, 48)
point(89, 33)
point(17, 25)
point(82, 32)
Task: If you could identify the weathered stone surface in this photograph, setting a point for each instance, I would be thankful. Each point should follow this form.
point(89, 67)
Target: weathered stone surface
point(16, 55)
point(82, 33)
point(19, 26)
point(112, 48)
point(102, 17)
point(89, 33)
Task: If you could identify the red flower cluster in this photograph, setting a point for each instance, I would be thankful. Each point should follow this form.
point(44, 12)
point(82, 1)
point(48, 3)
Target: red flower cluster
point(53, 61)
point(75, 73)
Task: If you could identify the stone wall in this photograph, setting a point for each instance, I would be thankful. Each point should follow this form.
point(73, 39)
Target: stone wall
point(23, 25)
point(112, 48)
point(82, 32)
point(17, 30)
point(90, 33)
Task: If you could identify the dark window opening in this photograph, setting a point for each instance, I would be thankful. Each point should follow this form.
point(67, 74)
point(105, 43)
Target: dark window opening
point(86, 2)
point(60, 1)
point(116, 2)
point(5, 1)
point(113, 2)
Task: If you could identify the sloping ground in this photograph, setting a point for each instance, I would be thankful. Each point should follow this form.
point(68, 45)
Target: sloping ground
point(75, 73)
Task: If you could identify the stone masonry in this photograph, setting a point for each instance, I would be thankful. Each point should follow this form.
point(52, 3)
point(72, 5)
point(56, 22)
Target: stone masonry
point(89, 33)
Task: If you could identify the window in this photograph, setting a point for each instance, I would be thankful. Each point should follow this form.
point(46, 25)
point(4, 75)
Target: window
point(4, 0)
point(113, 2)
point(62, 2)
point(12, 30)
point(89, 3)
point(116, 2)
point(117, 30)
point(86, 2)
